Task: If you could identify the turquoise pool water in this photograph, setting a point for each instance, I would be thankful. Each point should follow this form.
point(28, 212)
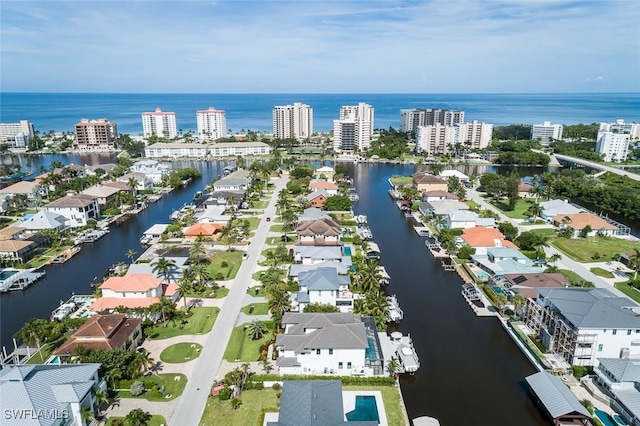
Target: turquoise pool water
point(370, 352)
point(619, 420)
point(347, 251)
point(498, 290)
point(366, 409)
point(607, 420)
point(481, 274)
point(6, 274)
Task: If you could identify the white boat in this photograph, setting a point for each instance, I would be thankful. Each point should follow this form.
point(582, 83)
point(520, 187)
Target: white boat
point(470, 292)
point(405, 352)
point(361, 219)
point(393, 309)
point(63, 311)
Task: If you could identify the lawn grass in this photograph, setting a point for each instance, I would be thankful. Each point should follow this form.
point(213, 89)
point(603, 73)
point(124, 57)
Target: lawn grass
point(517, 213)
point(276, 228)
point(392, 403)
point(219, 412)
point(171, 387)
point(256, 275)
point(571, 276)
point(242, 348)
point(181, 352)
point(594, 249)
point(45, 351)
point(253, 222)
point(200, 322)
point(221, 293)
point(258, 309)
point(473, 205)
point(547, 232)
point(155, 420)
point(601, 272)
point(629, 291)
point(45, 257)
point(397, 181)
point(233, 260)
point(209, 293)
point(261, 293)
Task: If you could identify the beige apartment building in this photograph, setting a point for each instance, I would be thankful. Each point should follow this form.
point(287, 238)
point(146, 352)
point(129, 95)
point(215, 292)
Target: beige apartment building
point(95, 135)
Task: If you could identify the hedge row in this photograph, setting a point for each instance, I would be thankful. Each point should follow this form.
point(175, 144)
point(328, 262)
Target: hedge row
point(346, 380)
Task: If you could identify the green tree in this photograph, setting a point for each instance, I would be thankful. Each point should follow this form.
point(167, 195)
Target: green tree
point(393, 366)
point(130, 254)
point(198, 252)
point(320, 307)
point(337, 203)
point(137, 417)
point(509, 231)
point(256, 329)
point(166, 308)
point(634, 262)
point(164, 267)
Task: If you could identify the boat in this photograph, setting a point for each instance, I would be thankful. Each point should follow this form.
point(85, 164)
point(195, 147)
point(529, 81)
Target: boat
point(354, 197)
point(406, 354)
point(66, 255)
point(470, 292)
point(393, 309)
point(18, 279)
point(63, 311)
point(362, 219)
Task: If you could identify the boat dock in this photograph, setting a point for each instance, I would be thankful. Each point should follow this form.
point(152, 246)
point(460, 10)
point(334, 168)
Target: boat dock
point(66, 255)
point(75, 307)
point(18, 279)
point(90, 236)
point(393, 308)
point(477, 301)
point(401, 348)
point(436, 250)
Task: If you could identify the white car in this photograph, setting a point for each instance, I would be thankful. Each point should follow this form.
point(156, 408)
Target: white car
point(245, 256)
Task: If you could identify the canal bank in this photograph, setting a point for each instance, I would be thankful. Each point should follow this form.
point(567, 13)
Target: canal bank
point(473, 372)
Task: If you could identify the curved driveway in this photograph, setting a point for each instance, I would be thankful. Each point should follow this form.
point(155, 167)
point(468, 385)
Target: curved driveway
point(193, 401)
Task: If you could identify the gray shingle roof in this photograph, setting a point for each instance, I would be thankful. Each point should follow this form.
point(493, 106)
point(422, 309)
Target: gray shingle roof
point(593, 307)
point(320, 279)
point(312, 213)
point(333, 330)
point(297, 269)
point(311, 402)
point(555, 395)
point(319, 252)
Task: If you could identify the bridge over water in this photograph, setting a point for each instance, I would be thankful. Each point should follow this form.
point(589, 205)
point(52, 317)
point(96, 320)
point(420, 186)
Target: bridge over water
point(597, 166)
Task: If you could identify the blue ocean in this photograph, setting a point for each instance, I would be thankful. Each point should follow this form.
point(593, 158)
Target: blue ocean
point(60, 111)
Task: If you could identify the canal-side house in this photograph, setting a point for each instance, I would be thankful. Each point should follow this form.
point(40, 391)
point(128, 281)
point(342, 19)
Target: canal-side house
point(204, 231)
point(236, 181)
point(425, 182)
point(319, 232)
point(29, 190)
point(317, 198)
point(429, 196)
point(107, 332)
point(15, 246)
point(325, 286)
point(44, 220)
point(503, 260)
point(527, 285)
point(525, 190)
point(153, 169)
point(144, 182)
point(446, 174)
point(584, 324)
point(621, 379)
point(309, 255)
point(133, 291)
point(556, 207)
point(330, 187)
point(49, 394)
point(78, 209)
point(102, 193)
point(324, 172)
point(324, 343)
point(482, 238)
point(441, 206)
point(312, 213)
point(579, 221)
point(467, 219)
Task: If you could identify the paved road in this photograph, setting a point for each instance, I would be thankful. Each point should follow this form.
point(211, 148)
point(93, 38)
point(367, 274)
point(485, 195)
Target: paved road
point(598, 166)
point(193, 401)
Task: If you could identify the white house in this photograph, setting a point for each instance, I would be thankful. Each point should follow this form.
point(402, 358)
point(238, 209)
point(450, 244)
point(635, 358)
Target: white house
point(468, 219)
point(102, 193)
point(48, 394)
point(323, 343)
point(324, 285)
point(45, 220)
point(621, 379)
point(309, 255)
point(446, 174)
point(236, 181)
point(325, 172)
point(172, 150)
point(556, 207)
point(78, 209)
point(152, 169)
point(584, 324)
point(133, 291)
point(144, 182)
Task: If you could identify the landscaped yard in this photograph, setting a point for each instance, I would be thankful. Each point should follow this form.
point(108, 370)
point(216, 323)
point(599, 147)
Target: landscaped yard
point(172, 388)
point(232, 260)
point(155, 420)
point(253, 401)
point(401, 180)
point(45, 351)
point(260, 293)
point(258, 309)
point(601, 272)
point(629, 291)
point(276, 228)
point(472, 205)
point(547, 232)
point(517, 213)
point(253, 222)
point(574, 278)
point(242, 348)
point(391, 398)
point(594, 249)
point(200, 322)
point(181, 352)
point(210, 293)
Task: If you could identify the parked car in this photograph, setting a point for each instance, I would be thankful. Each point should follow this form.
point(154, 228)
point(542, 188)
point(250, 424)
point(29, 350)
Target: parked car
point(268, 219)
point(245, 256)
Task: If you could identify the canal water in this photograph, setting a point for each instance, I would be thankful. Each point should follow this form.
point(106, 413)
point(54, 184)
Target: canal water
point(76, 275)
point(471, 371)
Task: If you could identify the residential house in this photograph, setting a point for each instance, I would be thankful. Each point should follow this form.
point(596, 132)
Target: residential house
point(319, 232)
point(30, 190)
point(78, 209)
point(297, 268)
point(153, 169)
point(425, 182)
point(107, 332)
point(467, 219)
point(203, 230)
point(312, 213)
point(584, 324)
point(502, 261)
point(144, 182)
point(560, 404)
point(319, 402)
point(236, 181)
point(44, 220)
point(324, 172)
point(482, 238)
point(133, 291)
point(330, 187)
point(325, 343)
point(90, 170)
point(174, 273)
point(441, 207)
point(309, 255)
point(326, 286)
point(430, 196)
point(525, 190)
point(446, 174)
point(527, 284)
point(621, 379)
point(317, 198)
point(579, 221)
point(48, 394)
point(15, 245)
point(553, 208)
point(102, 193)
point(226, 198)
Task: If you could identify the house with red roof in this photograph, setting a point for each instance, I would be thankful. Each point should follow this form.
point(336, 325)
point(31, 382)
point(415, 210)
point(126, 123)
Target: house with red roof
point(330, 187)
point(133, 291)
point(482, 238)
point(206, 230)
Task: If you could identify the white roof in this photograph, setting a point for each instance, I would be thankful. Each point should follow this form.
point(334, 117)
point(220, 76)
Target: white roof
point(156, 229)
point(449, 173)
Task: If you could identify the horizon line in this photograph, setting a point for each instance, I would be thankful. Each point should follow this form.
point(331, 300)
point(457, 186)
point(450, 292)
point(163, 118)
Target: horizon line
point(318, 93)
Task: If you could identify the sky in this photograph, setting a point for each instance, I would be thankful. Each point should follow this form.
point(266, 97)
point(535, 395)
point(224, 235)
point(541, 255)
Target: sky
point(318, 46)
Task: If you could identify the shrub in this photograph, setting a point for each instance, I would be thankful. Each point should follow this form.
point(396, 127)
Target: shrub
point(224, 264)
point(117, 422)
point(137, 388)
point(224, 394)
point(580, 371)
point(276, 386)
point(219, 276)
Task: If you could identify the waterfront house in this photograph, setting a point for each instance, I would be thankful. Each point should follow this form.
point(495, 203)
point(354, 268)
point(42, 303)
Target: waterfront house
point(446, 174)
point(502, 260)
point(620, 377)
point(429, 196)
point(204, 231)
point(102, 193)
point(525, 190)
point(133, 291)
point(90, 170)
point(153, 169)
point(174, 274)
point(584, 324)
point(236, 181)
point(557, 400)
point(45, 220)
point(326, 286)
point(527, 284)
point(482, 238)
point(78, 209)
point(297, 268)
point(226, 198)
point(49, 394)
point(325, 343)
point(553, 208)
point(330, 187)
point(317, 198)
point(441, 207)
point(309, 255)
point(467, 219)
point(312, 213)
point(426, 182)
point(578, 221)
point(324, 172)
point(144, 182)
point(31, 190)
point(106, 332)
point(319, 232)
point(17, 251)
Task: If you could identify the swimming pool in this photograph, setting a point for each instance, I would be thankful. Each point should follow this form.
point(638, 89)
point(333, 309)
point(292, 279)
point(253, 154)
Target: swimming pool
point(607, 420)
point(366, 409)
point(6, 274)
point(481, 274)
point(498, 290)
point(346, 251)
point(370, 351)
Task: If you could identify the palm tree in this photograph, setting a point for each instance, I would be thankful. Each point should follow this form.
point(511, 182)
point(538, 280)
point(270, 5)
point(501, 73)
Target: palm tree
point(634, 262)
point(86, 413)
point(279, 302)
point(130, 254)
point(137, 417)
point(113, 375)
point(185, 287)
point(540, 241)
point(393, 366)
point(164, 307)
point(371, 276)
point(132, 183)
point(197, 251)
point(79, 354)
point(535, 210)
point(100, 398)
point(555, 257)
point(256, 329)
point(518, 301)
point(164, 267)
point(201, 274)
